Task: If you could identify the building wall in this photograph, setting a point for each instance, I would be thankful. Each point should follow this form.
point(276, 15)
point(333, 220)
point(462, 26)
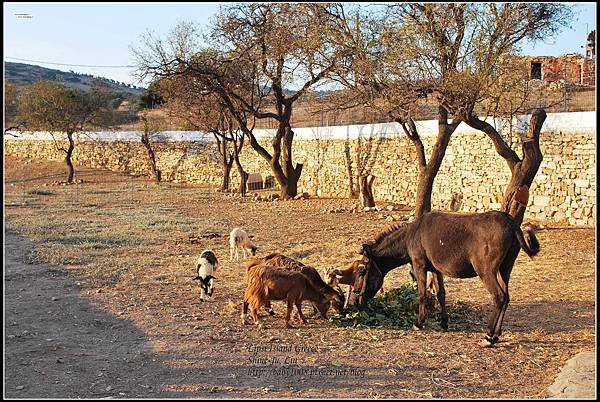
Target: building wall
point(589, 72)
point(574, 69)
point(564, 189)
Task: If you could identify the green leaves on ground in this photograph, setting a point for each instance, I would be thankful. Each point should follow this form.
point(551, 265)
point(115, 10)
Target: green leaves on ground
point(397, 308)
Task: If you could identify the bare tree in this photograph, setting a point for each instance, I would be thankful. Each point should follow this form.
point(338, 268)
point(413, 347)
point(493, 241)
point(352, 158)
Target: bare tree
point(11, 95)
point(483, 76)
point(207, 112)
point(391, 76)
point(444, 55)
point(262, 48)
point(152, 126)
point(52, 107)
point(363, 156)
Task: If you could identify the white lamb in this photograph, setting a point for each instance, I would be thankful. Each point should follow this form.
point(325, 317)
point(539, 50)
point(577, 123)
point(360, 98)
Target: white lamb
point(206, 266)
point(239, 239)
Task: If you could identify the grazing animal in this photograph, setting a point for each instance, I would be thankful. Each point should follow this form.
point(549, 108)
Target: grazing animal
point(205, 268)
point(346, 276)
point(238, 239)
point(282, 261)
point(266, 283)
point(454, 244)
point(431, 283)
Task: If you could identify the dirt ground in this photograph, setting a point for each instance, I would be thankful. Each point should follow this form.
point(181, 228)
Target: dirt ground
point(99, 301)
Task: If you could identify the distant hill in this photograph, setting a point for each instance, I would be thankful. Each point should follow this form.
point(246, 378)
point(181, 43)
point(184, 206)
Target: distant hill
point(24, 74)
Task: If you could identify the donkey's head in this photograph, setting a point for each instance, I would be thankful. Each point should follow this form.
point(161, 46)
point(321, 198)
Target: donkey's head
point(368, 278)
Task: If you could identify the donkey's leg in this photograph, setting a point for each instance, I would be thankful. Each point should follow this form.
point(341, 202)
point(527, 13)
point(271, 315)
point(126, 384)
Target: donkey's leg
point(499, 297)
point(421, 274)
point(500, 320)
point(440, 292)
point(503, 277)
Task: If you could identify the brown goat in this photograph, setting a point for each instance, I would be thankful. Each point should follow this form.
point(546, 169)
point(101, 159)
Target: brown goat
point(348, 275)
point(266, 283)
point(282, 261)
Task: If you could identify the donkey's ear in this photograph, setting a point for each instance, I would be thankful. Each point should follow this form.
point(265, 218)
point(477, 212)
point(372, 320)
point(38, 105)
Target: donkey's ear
point(365, 249)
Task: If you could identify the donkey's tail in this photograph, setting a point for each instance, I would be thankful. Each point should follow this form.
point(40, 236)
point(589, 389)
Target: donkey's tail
point(529, 243)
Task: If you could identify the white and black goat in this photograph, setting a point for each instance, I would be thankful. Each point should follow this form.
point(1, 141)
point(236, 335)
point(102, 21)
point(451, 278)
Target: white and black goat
point(238, 239)
point(205, 267)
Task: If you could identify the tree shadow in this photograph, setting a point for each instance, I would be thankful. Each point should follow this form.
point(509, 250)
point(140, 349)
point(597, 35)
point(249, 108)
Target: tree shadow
point(58, 344)
point(551, 317)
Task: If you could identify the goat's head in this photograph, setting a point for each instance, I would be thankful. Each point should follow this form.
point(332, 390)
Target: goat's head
point(333, 277)
point(337, 299)
point(367, 277)
point(253, 250)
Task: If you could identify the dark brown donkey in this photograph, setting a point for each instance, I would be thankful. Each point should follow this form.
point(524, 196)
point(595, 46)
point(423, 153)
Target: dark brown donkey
point(453, 244)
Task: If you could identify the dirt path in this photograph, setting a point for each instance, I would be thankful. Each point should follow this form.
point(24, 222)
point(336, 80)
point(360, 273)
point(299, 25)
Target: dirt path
point(59, 345)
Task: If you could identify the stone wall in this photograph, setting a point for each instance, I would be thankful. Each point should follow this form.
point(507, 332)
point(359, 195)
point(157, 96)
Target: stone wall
point(564, 189)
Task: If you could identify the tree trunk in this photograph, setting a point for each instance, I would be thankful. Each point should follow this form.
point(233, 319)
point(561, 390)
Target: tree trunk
point(243, 182)
point(522, 171)
point(155, 172)
point(428, 170)
point(292, 174)
point(69, 154)
point(424, 190)
point(351, 185)
point(226, 174)
point(365, 185)
point(280, 160)
point(516, 195)
point(290, 188)
point(237, 148)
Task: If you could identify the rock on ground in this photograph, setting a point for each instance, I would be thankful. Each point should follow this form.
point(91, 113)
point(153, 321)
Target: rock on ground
point(576, 379)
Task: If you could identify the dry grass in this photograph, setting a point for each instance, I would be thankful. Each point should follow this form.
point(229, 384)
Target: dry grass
point(134, 241)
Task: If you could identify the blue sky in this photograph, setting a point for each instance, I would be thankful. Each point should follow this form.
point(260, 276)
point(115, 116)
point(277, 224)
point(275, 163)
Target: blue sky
point(102, 33)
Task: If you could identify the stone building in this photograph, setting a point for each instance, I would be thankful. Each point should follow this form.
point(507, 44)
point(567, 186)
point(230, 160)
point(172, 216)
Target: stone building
point(570, 68)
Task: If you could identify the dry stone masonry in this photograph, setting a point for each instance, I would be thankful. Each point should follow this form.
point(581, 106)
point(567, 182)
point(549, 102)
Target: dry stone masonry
point(564, 189)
